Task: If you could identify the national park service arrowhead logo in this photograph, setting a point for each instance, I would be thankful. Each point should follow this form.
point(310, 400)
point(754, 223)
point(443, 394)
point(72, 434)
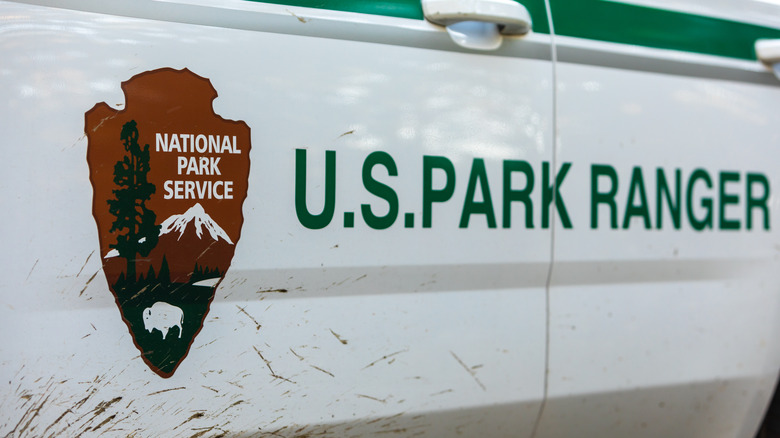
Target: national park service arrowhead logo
point(169, 178)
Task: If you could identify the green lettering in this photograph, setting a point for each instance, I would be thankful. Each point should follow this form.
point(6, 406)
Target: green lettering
point(349, 219)
point(478, 174)
point(761, 202)
point(696, 223)
point(430, 195)
point(672, 203)
point(523, 196)
point(642, 210)
point(380, 190)
point(308, 220)
point(549, 192)
point(597, 197)
point(724, 199)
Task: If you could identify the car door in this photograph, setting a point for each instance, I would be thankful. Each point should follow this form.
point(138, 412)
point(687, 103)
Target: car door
point(664, 295)
point(390, 272)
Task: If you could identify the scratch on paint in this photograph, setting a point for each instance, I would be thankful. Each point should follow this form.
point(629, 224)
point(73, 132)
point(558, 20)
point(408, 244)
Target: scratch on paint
point(385, 358)
point(85, 263)
point(74, 143)
point(301, 19)
point(56, 421)
point(83, 400)
point(276, 432)
point(31, 269)
point(202, 432)
point(88, 282)
point(104, 422)
point(268, 364)
point(271, 290)
point(347, 133)
point(324, 371)
point(103, 121)
point(102, 406)
point(469, 370)
point(371, 398)
point(34, 410)
point(166, 390)
point(243, 310)
point(207, 249)
point(276, 376)
point(206, 344)
point(231, 406)
point(296, 354)
point(343, 341)
point(193, 417)
point(377, 420)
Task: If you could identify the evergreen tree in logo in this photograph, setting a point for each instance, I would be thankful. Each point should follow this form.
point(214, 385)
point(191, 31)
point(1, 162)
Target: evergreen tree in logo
point(134, 221)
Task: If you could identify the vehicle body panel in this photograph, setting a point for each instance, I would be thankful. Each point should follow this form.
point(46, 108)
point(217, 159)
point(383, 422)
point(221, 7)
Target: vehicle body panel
point(548, 326)
point(311, 330)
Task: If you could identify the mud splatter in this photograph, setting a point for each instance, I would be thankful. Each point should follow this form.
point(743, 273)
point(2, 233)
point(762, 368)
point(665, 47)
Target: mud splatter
point(471, 372)
point(89, 281)
point(166, 390)
point(243, 310)
point(271, 290)
point(268, 364)
point(342, 340)
point(324, 371)
point(385, 357)
point(32, 269)
point(296, 354)
point(371, 398)
point(301, 19)
point(194, 416)
point(104, 422)
point(85, 263)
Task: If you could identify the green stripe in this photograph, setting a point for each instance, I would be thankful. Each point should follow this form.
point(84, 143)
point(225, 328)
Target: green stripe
point(391, 8)
point(643, 26)
point(600, 20)
point(404, 8)
point(538, 15)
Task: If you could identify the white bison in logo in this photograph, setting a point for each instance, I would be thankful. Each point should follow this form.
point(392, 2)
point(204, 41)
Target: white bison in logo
point(163, 317)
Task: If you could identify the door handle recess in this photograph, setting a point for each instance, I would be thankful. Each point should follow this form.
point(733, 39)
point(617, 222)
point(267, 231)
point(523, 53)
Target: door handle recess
point(511, 17)
point(768, 52)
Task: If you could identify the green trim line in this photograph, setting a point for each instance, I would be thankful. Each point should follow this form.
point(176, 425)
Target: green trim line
point(391, 8)
point(404, 8)
point(601, 20)
point(643, 26)
point(538, 13)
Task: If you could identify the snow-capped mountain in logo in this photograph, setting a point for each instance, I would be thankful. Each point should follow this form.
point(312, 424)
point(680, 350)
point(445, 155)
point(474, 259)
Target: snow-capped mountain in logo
point(197, 216)
point(191, 243)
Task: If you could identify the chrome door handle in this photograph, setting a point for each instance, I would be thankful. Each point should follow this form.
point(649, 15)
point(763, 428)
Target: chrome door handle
point(511, 17)
point(768, 52)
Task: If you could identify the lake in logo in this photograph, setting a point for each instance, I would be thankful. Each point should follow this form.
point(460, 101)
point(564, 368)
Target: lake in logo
point(169, 179)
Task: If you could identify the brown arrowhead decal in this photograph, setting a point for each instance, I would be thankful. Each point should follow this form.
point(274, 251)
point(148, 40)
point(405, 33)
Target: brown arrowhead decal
point(169, 179)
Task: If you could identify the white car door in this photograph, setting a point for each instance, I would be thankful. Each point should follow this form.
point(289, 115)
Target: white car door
point(664, 298)
point(390, 275)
